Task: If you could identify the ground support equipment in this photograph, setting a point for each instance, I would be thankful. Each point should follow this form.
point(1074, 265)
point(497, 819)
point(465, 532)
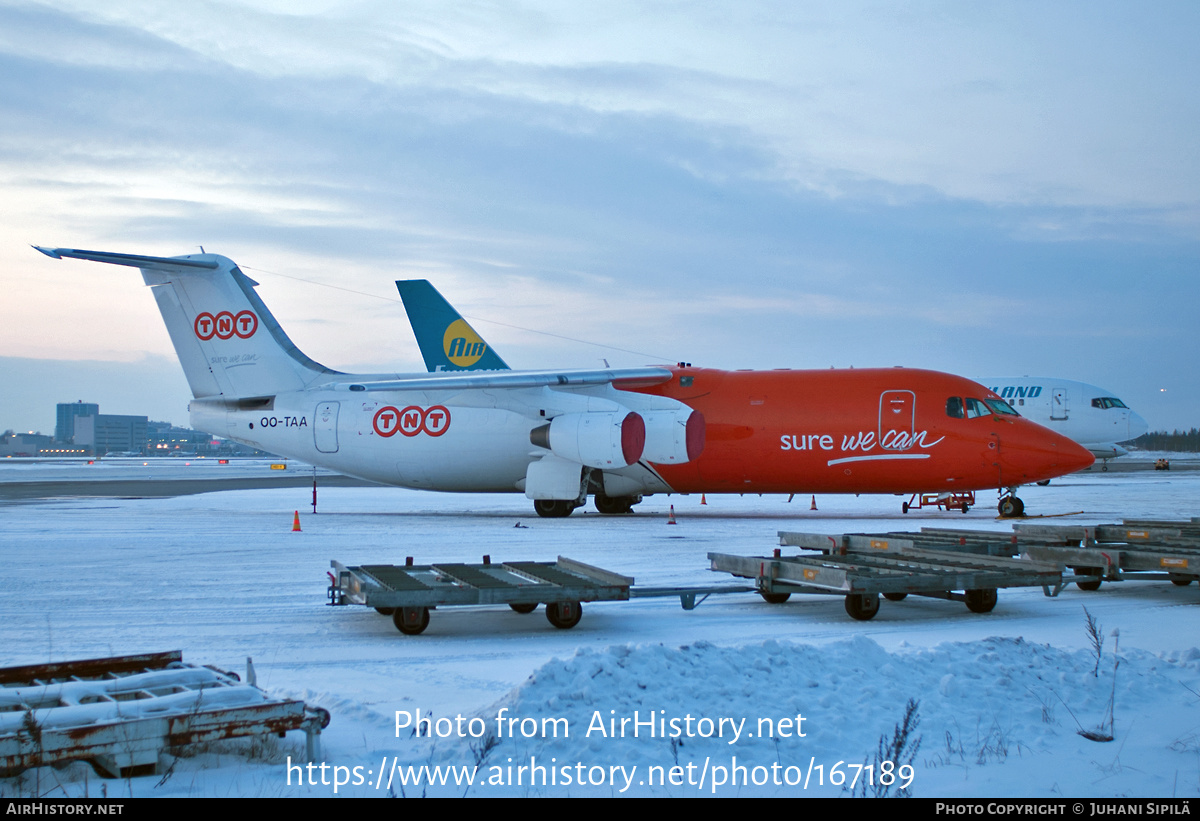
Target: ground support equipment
point(942, 501)
point(407, 593)
point(862, 567)
point(1134, 550)
point(121, 714)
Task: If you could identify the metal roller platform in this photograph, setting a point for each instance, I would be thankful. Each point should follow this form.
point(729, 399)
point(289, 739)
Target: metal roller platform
point(407, 593)
point(1133, 550)
point(121, 714)
point(863, 566)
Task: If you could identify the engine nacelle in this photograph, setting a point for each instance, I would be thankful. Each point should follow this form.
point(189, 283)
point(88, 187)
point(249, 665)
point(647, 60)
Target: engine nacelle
point(612, 439)
point(673, 436)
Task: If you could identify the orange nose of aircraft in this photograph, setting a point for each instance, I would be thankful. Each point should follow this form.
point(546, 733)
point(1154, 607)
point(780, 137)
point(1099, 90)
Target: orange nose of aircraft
point(1029, 452)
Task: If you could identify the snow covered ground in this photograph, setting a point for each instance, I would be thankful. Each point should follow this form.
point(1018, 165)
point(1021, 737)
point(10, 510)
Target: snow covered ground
point(1000, 697)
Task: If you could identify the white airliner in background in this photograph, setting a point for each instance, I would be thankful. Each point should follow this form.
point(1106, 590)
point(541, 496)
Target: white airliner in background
point(1091, 416)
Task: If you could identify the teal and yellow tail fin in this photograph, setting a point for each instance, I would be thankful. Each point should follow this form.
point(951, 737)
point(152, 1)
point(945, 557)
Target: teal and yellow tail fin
point(447, 342)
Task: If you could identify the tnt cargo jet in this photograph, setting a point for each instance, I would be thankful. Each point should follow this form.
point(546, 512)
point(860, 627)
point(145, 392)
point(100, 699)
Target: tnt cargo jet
point(1085, 414)
point(1091, 416)
point(560, 435)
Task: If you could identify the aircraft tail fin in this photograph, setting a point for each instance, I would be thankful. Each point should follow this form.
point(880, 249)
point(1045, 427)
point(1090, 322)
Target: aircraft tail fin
point(229, 344)
point(447, 342)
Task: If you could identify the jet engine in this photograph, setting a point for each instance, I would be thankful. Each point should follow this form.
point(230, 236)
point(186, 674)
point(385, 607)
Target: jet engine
point(612, 439)
point(673, 436)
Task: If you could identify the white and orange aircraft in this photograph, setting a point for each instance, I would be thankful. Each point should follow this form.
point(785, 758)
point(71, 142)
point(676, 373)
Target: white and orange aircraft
point(559, 436)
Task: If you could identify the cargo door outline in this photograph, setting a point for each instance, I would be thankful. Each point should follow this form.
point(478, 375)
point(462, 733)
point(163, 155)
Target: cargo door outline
point(897, 416)
point(1059, 403)
point(325, 427)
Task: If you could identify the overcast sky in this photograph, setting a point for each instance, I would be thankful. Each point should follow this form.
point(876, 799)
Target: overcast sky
point(988, 189)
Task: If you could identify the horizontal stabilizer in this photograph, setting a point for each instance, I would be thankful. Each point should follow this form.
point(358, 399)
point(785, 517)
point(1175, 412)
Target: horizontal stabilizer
point(132, 260)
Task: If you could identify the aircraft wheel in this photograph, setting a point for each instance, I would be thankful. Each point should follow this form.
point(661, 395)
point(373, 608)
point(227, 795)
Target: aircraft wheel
point(564, 614)
point(553, 508)
point(862, 607)
point(385, 611)
point(524, 608)
point(610, 505)
point(775, 598)
point(1011, 507)
point(411, 621)
point(895, 596)
point(1104, 467)
point(1088, 571)
point(1180, 581)
point(982, 601)
point(904, 507)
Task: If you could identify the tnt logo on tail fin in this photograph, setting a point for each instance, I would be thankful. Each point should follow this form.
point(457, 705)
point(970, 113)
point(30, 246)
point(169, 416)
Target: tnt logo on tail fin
point(447, 342)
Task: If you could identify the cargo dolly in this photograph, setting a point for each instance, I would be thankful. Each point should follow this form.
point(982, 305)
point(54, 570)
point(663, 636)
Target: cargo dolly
point(1134, 550)
point(407, 593)
point(863, 567)
point(123, 713)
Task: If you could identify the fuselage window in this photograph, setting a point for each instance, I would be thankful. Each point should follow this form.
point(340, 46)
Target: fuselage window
point(954, 407)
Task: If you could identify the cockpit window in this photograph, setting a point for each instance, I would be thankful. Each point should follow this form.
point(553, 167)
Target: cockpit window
point(1106, 402)
point(977, 408)
point(954, 407)
point(1000, 407)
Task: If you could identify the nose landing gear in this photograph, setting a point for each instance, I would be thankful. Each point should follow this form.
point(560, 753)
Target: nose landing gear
point(1011, 507)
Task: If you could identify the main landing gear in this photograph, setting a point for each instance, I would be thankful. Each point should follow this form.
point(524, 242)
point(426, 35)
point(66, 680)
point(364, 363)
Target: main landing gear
point(560, 508)
point(615, 504)
point(554, 508)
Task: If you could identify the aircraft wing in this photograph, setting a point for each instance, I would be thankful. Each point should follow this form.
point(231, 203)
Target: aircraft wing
point(458, 381)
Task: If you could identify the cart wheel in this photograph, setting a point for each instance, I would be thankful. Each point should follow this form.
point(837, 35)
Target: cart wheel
point(965, 507)
point(904, 507)
point(385, 611)
point(982, 601)
point(564, 614)
point(775, 598)
point(862, 607)
point(411, 621)
point(1181, 581)
point(895, 596)
point(1043, 483)
point(1088, 571)
point(524, 608)
point(321, 714)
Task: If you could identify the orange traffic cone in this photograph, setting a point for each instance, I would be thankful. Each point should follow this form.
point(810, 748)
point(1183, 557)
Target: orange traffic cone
point(296, 522)
point(813, 506)
point(703, 501)
point(671, 518)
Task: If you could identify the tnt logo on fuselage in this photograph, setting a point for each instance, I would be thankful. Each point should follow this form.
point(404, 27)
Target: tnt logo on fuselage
point(389, 420)
point(225, 325)
point(462, 346)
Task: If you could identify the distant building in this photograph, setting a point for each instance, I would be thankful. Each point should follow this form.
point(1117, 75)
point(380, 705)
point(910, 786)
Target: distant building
point(82, 425)
point(25, 444)
point(83, 431)
point(163, 439)
point(68, 412)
